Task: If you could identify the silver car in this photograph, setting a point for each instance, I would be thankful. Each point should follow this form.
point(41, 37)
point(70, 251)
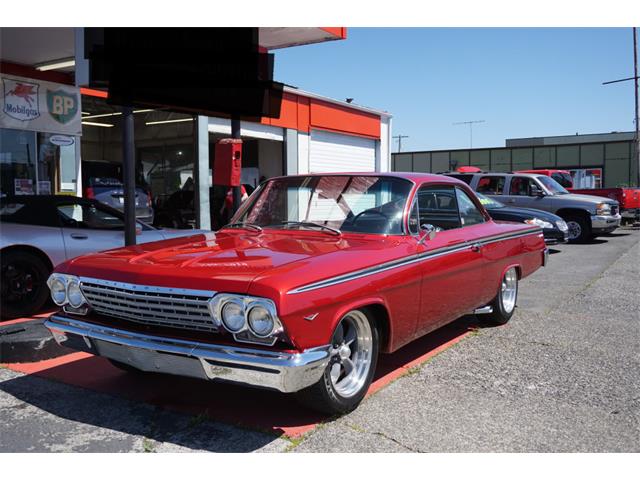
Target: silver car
point(37, 232)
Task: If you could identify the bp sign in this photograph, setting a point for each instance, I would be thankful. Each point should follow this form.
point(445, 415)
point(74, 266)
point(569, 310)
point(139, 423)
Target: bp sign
point(63, 105)
point(29, 104)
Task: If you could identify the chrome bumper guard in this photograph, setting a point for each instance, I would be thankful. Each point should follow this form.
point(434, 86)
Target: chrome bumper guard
point(276, 370)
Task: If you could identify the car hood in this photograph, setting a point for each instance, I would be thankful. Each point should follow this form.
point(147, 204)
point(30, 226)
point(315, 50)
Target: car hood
point(523, 214)
point(231, 261)
point(577, 197)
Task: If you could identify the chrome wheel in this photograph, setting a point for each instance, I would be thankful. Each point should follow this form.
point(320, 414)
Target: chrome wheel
point(575, 229)
point(509, 290)
point(351, 355)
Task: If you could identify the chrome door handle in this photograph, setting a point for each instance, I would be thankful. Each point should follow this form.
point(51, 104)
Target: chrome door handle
point(79, 236)
point(476, 247)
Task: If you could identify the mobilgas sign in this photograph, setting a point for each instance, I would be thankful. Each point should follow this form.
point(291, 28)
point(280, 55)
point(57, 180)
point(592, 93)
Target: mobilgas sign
point(28, 104)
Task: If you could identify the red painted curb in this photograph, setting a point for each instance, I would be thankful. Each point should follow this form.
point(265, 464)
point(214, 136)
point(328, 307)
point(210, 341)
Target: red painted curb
point(255, 409)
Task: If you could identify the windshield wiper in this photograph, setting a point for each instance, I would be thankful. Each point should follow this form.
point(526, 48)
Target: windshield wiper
point(334, 231)
point(248, 226)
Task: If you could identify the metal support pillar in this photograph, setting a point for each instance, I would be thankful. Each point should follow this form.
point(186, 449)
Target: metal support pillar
point(129, 176)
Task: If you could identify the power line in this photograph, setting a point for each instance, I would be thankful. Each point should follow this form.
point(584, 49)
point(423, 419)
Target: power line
point(470, 123)
point(400, 137)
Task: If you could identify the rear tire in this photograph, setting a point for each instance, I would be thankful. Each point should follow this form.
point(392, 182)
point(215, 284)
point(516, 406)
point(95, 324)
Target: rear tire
point(579, 228)
point(504, 304)
point(348, 375)
point(23, 288)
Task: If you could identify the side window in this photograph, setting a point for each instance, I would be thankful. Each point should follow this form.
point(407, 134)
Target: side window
point(491, 185)
point(520, 186)
point(437, 206)
point(82, 215)
point(469, 213)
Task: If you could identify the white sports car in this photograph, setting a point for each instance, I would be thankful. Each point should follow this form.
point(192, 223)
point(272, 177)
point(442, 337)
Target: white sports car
point(37, 232)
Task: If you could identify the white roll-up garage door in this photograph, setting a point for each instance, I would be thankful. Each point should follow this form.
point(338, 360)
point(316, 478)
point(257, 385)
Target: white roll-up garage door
point(334, 152)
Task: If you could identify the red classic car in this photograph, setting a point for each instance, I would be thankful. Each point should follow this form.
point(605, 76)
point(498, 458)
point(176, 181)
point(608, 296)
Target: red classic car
point(315, 276)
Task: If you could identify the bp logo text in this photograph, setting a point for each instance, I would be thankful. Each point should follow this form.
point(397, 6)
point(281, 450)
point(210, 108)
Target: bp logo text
point(21, 99)
point(62, 105)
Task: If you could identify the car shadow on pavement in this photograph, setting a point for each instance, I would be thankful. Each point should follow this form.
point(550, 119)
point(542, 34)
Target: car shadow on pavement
point(269, 412)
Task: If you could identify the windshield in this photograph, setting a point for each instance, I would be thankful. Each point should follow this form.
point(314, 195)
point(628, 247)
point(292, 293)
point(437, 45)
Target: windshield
point(489, 203)
point(550, 184)
point(366, 204)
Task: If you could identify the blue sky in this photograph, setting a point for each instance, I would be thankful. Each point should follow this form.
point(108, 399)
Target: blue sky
point(522, 82)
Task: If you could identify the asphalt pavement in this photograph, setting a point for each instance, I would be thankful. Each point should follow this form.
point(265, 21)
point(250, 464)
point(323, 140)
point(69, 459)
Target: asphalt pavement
point(562, 375)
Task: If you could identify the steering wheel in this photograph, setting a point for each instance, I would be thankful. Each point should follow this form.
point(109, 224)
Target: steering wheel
point(375, 212)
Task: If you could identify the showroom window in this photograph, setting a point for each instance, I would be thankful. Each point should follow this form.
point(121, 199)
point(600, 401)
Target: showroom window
point(35, 163)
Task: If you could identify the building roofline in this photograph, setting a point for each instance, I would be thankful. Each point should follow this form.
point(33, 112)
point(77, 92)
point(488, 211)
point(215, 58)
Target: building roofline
point(511, 147)
point(304, 93)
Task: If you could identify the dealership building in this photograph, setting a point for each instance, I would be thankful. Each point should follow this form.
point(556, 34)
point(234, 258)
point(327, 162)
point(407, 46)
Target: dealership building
point(56, 136)
point(600, 160)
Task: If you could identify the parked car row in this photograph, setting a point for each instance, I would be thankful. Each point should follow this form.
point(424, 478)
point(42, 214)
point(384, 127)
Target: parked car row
point(627, 197)
point(586, 216)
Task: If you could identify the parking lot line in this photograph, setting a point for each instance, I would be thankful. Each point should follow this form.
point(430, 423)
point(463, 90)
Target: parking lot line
point(14, 321)
point(254, 409)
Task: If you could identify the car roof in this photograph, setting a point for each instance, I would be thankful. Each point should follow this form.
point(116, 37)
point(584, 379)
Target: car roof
point(502, 174)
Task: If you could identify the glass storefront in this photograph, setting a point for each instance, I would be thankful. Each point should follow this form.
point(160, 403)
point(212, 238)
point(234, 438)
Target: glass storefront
point(164, 153)
point(35, 163)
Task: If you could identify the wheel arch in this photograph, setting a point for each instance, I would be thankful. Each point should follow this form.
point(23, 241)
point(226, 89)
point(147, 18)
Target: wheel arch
point(379, 311)
point(569, 211)
point(30, 249)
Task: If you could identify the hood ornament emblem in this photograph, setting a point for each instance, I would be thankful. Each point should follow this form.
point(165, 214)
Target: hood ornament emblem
point(311, 317)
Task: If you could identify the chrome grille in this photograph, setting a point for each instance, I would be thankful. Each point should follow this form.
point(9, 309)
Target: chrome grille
point(150, 305)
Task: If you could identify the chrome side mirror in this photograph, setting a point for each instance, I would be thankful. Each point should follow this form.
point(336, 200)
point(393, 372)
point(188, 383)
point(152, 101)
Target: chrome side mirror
point(428, 233)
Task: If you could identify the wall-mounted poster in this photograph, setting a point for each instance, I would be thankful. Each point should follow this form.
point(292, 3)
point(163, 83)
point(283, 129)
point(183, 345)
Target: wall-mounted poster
point(23, 186)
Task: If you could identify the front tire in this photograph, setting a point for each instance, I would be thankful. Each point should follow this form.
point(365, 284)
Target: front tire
point(23, 288)
point(348, 375)
point(579, 229)
point(504, 304)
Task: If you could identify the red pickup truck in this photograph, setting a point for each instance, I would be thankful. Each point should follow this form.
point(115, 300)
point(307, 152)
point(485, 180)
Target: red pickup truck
point(628, 198)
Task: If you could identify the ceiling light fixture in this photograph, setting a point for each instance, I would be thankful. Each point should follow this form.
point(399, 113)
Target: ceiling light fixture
point(96, 124)
point(56, 64)
point(170, 121)
point(113, 114)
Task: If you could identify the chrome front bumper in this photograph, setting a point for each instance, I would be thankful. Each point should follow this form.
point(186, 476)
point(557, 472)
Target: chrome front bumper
point(283, 371)
point(605, 222)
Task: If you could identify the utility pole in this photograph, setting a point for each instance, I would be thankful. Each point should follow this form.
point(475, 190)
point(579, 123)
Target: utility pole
point(400, 137)
point(637, 105)
point(470, 123)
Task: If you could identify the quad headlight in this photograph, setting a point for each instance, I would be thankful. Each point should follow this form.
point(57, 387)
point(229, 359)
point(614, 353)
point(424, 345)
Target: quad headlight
point(244, 315)
point(261, 321)
point(539, 222)
point(65, 291)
